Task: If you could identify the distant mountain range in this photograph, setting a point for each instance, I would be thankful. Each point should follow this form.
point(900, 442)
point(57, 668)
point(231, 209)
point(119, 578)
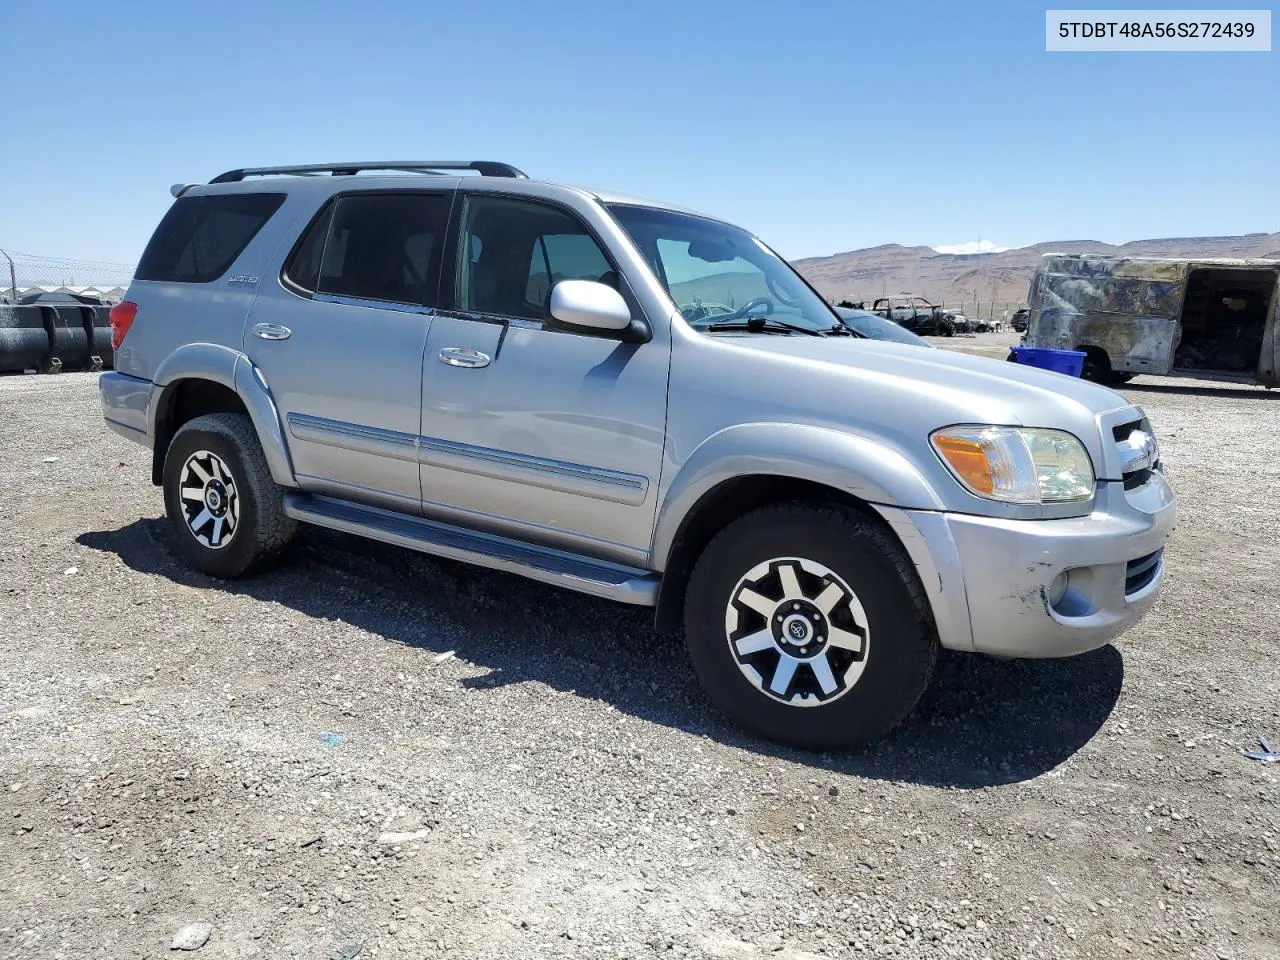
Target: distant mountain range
point(956, 278)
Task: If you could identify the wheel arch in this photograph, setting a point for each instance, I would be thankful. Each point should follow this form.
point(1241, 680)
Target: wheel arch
point(749, 466)
point(1099, 356)
point(205, 378)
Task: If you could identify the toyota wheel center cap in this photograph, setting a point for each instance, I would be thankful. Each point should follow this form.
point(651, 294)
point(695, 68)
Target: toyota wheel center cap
point(796, 629)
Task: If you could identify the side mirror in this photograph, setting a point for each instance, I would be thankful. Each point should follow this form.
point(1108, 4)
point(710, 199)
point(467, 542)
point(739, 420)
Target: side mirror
point(590, 305)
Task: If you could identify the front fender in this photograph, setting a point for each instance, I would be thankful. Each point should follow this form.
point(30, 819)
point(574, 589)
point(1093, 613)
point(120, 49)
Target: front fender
point(235, 371)
point(866, 468)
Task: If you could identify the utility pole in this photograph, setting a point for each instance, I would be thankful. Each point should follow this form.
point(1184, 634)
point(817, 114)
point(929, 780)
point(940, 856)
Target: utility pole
point(13, 277)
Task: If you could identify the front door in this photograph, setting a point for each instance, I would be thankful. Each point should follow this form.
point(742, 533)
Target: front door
point(340, 343)
point(528, 429)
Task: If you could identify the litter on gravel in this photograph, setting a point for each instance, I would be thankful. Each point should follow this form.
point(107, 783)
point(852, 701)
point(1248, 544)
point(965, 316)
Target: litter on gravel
point(1266, 754)
point(191, 937)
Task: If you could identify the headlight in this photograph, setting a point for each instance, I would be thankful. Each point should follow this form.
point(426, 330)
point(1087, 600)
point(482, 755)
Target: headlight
point(1017, 464)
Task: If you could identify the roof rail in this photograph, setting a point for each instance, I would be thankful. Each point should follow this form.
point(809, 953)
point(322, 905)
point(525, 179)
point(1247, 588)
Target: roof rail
point(486, 168)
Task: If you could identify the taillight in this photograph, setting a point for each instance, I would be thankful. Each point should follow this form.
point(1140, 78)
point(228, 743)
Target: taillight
point(122, 315)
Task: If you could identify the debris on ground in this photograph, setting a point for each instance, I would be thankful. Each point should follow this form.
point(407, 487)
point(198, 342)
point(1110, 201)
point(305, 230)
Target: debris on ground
point(442, 657)
point(1266, 754)
point(192, 937)
point(402, 838)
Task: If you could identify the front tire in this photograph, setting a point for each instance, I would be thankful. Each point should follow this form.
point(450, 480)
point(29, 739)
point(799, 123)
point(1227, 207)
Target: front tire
point(226, 511)
point(808, 626)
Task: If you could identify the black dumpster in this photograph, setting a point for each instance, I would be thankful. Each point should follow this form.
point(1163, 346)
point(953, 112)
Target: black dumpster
point(24, 342)
point(98, 323)
point(68, 338)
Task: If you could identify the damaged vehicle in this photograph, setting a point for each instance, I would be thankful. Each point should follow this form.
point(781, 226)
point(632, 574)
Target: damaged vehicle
point(1205, 319)
point(454, 358)
point(916, 314)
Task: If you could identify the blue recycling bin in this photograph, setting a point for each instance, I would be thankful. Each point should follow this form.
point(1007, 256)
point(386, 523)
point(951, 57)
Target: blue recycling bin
point(1070, 362)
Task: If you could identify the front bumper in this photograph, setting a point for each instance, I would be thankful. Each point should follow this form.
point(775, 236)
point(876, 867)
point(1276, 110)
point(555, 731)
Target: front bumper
point(989, 579)
point(125, 401)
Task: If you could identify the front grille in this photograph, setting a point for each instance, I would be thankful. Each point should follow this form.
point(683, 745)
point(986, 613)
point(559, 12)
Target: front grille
point(1121, 433)
point(1132, 481)
point(1138, 573)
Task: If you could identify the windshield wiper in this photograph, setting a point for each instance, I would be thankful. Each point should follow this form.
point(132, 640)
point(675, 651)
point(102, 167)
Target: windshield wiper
point(764, 325)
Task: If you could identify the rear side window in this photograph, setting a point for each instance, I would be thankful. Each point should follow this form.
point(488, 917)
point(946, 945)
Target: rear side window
point(303, 268)
point(200, 237)
point(373, 246)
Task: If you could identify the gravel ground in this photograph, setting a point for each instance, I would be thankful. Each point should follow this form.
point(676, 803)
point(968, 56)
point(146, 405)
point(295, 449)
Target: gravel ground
point(371, 753)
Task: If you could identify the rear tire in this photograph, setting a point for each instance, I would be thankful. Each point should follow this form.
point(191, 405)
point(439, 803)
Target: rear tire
point(787, 586)
point(227, 513)
point(1097, 366)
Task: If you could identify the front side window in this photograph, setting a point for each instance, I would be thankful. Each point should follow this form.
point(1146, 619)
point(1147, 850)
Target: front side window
point(717, 273)
point(200, 237)
point(373, 246)
point(512, 252)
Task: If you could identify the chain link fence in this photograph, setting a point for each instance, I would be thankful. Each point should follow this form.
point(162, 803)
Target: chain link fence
point(24, 275)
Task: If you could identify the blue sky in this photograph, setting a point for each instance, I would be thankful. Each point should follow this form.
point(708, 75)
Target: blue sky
point(820, 126)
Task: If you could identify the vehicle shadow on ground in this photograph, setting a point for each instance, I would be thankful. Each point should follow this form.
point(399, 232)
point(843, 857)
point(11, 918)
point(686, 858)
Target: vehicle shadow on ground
point(983, 722)
point(1242, 392)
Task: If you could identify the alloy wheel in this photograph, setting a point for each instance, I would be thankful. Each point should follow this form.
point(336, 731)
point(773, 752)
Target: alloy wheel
point(797, 631)
point(210, 500)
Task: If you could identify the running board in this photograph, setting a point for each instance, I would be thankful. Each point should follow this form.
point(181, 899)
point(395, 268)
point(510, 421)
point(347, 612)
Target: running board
point(560, 568)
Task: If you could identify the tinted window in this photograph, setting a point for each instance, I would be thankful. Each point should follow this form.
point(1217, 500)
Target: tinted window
point(200, 237)
point(514, 251)
point(303, 269)
point(383, 247)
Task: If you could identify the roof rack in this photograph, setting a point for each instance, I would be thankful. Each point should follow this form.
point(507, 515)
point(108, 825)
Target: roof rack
point(486, 168)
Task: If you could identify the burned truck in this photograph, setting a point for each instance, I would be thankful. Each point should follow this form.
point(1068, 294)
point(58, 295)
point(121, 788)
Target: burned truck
point(1206, 319)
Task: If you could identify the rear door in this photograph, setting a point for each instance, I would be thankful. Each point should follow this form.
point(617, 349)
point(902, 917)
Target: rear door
point(340, 340)
point(529, 429)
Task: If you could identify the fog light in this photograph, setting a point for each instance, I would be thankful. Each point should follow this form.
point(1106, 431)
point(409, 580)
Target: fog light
point(1058, 589)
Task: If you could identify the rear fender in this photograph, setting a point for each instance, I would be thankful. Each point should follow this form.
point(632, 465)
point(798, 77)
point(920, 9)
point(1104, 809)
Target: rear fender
point(235, 371)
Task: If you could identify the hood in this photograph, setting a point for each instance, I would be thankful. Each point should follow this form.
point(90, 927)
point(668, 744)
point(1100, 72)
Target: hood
point(893, 393)
point(1003, 392)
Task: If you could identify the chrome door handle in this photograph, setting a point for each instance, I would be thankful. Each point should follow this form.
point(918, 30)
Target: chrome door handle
point(463, 357)
point(272, 331)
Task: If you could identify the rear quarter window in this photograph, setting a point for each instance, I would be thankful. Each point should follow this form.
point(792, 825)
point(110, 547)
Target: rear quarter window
point(200, 237)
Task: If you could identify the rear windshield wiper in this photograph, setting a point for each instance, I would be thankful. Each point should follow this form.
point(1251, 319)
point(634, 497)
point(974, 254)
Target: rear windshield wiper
point(763, 325)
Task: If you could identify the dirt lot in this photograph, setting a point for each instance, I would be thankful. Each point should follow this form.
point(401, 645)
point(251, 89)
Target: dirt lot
point(372, 753)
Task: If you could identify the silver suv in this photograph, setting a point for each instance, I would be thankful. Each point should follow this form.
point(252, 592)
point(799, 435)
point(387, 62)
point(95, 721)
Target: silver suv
point(634, 401)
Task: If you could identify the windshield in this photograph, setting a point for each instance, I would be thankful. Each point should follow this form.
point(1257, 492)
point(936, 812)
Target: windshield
point(720, 274)
point(877, 328)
